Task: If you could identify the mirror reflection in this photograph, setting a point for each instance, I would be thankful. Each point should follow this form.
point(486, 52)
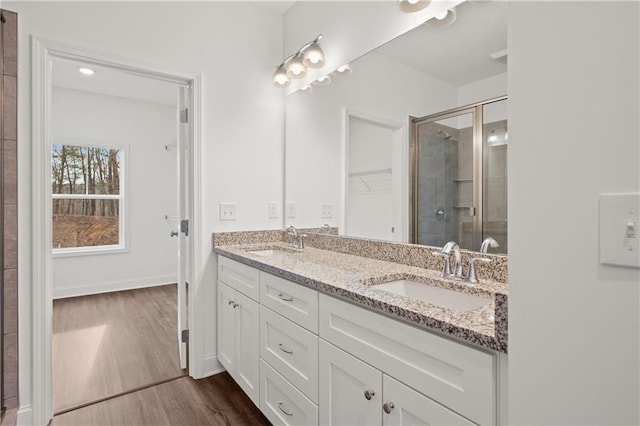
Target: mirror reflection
point(411, 145)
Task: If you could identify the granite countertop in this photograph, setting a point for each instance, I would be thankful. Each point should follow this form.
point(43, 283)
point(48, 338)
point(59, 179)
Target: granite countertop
point(352, 278)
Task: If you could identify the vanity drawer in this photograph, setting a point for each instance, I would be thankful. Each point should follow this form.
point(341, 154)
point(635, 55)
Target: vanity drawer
point(291, 300)
point(291, 350)
point(241, 277)
point(281, 402)
point(455, 375)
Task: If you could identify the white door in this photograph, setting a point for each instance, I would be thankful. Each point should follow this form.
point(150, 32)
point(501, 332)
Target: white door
point(404, 406)
point(226, 327)
point(350, 390)
point(248, 346)
point(184, 212)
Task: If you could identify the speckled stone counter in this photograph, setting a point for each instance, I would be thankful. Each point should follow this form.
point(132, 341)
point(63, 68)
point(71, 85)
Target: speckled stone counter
point(352, 278)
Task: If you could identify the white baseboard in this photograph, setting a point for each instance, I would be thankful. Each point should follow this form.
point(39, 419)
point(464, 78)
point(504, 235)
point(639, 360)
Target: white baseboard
point(212, 365)
point(109, 286)
point(25, 416)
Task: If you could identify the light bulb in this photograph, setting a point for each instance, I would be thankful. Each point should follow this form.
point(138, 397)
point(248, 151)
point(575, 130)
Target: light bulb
point(296, 68)
point(344, 69)
point(313, 56)
point(323, 81)
point(280, 78)
point(410, 6)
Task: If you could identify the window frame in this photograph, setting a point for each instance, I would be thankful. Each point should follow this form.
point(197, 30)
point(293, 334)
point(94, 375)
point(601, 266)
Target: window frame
point(122, 197)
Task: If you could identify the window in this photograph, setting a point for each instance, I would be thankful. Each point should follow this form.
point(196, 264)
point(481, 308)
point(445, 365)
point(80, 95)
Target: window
point(87, 198)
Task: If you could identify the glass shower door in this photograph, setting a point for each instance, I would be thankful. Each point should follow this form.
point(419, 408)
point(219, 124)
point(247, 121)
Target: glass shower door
point(444, 206)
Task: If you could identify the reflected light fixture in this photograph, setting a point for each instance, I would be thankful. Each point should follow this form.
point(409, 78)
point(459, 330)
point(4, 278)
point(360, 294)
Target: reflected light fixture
point(410, 6)
point(343, 70)
point(306, 89)
point(295, 66)
point(443, 19)
point(86, 71)
point(323, 81)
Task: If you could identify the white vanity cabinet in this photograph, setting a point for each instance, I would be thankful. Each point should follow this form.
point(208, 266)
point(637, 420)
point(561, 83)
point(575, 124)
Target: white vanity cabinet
point(306, 358)
point(238, 336)
point(354, 393)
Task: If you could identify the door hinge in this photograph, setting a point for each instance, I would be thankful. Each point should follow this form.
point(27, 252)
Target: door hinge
point(184, 115)
point(184, 227)
point(184, 336)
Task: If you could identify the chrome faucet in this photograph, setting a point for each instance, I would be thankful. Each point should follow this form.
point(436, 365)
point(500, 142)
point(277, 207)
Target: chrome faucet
point(488, 242)
point(457, 266)
point(470, 276)
point(297, 240)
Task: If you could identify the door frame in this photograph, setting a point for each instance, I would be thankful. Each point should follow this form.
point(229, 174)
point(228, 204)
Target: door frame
point(42, 53)
point(399, 136)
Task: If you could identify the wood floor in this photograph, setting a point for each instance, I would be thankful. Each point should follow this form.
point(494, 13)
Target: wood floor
point(110, 343)
point(216, 400)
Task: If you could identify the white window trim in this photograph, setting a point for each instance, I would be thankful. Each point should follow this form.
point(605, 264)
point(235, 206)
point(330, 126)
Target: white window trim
point(123, 205)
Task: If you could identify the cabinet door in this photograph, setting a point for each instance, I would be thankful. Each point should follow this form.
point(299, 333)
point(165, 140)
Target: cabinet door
point(226, 327)
point(344, 380)
point(404, 406)
point(247, 346)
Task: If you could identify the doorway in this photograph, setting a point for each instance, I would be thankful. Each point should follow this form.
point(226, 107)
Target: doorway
point(116, 173)
point(186, 179)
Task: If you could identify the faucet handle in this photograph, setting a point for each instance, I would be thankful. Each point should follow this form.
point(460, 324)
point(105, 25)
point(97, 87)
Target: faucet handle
point(446, 268)
point(471, 270)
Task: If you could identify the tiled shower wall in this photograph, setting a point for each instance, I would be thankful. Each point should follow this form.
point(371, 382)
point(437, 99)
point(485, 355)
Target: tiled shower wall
point(10, 213)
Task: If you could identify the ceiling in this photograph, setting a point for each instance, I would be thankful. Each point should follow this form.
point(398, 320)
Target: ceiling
point(458, 54)
point(113, 82)
point(279, 7)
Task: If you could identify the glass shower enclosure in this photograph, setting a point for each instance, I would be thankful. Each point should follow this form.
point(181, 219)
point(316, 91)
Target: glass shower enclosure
point(459, 176)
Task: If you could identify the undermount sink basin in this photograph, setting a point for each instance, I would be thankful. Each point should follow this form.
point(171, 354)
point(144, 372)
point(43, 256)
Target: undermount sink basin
point(270, 251)
point(437, 296)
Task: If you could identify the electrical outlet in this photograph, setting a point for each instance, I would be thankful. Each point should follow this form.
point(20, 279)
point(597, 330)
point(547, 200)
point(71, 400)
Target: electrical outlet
point(227, 211)
point(291, 210)
point(326, 211)
point(273, 210)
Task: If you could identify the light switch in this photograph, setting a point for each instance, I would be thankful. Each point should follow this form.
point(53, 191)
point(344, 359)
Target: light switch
point(291, 210)
point(619, 221)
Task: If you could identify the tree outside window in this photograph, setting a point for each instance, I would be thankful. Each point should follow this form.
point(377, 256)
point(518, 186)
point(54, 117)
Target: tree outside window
point(86, 188)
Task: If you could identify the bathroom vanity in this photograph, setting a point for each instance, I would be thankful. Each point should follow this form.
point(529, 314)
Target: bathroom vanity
point(318, 336)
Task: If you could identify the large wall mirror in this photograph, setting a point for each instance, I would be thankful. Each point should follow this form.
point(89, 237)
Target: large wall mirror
point(411, 145)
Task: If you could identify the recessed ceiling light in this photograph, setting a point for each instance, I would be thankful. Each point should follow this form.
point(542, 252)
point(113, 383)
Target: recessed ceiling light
point(86, 71)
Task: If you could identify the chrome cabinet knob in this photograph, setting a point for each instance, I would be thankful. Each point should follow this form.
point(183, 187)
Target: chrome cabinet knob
point(387, 407)
point(368, 394)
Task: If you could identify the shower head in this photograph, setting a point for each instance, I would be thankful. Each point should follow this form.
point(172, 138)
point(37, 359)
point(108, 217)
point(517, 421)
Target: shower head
point(446, 135)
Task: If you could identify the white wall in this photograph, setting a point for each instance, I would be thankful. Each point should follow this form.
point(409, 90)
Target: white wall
point(142, 129)
point(242, 128)
point(315, 127)
point(573, 133)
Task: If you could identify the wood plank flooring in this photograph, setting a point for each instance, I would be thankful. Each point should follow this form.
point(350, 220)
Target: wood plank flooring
point(216, 400)
point(110, 343)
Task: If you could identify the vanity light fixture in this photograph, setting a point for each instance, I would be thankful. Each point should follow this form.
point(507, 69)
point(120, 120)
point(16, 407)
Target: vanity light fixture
point(86, 71)
point(411, 6)
point(295, 65)
point(443, 19)
point(305, 89)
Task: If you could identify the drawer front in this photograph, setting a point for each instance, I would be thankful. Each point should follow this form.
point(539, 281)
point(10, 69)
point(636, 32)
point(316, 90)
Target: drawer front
point(291, 350)
point(291, 300)
point(409, 408)
point(458, 376)
point(281, 402)
point(241, 277)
